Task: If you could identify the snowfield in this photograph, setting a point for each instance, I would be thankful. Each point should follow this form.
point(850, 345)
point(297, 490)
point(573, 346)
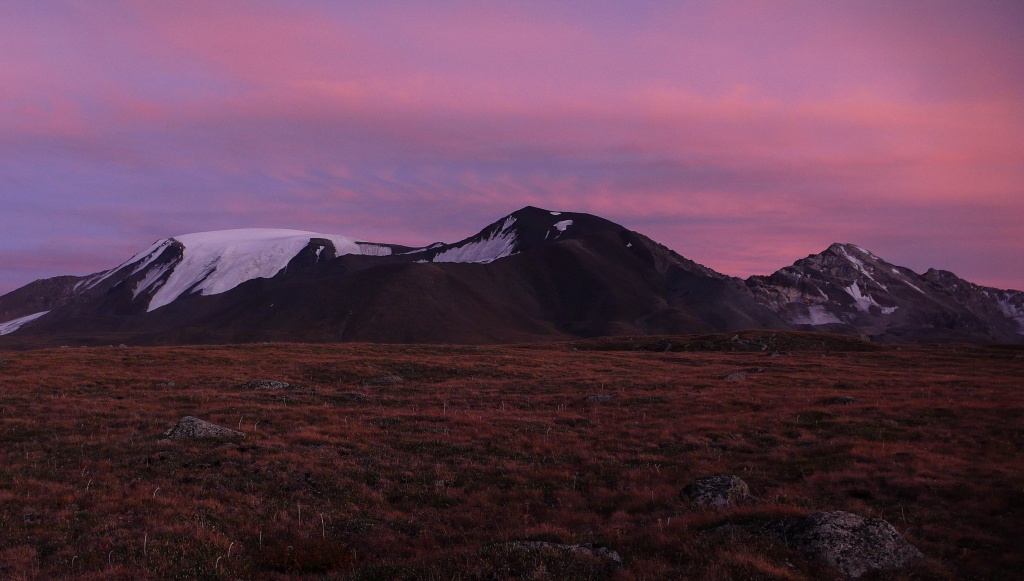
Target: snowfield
point(216, 262)
point(500, 244)
point(15, 324)
point(1011, 310)
point(816, 315)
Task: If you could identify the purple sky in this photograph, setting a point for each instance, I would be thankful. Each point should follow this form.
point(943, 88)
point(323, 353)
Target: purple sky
point(744, 135)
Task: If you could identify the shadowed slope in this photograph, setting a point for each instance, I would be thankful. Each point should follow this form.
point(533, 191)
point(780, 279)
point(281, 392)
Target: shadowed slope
point(567, 275)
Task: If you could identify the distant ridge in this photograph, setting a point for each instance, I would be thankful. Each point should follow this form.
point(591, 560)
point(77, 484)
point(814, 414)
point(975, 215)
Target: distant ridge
point(531, 275)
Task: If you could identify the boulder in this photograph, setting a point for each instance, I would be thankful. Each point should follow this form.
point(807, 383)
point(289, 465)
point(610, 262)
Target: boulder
point(852, 544)
point(191, 428)
point(719, 490)
point(265, 384)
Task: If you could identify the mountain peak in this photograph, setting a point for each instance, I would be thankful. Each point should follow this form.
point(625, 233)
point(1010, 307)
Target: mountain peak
point(576, 274)
point(847, 248)
point(527, 210)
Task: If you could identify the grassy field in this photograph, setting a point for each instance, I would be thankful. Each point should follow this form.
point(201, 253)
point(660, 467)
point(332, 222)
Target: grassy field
point(427, 462)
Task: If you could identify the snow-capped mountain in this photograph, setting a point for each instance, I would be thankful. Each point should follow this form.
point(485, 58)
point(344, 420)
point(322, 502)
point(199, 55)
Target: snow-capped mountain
point(533, 274)
point(848, 289)
point(209, 263)
point(515, 233)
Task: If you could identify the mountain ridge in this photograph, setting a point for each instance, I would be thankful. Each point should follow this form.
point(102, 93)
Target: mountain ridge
point(534, 274)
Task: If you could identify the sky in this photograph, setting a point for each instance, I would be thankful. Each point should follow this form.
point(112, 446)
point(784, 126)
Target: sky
point(744, 135)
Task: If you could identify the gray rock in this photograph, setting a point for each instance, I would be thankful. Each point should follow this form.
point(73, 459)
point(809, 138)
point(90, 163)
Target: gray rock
point(719, 490)
point(737, 376)
point(853, 544)
point(589, 549)
point(191, 428)
point(840, 400)
point(265, 384)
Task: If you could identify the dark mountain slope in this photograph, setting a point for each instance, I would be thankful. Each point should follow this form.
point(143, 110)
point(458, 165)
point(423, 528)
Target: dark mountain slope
point(531, 275)
point(588, 278)
point(41, 295)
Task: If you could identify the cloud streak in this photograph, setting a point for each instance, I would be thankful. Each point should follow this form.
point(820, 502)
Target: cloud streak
point(744, 137)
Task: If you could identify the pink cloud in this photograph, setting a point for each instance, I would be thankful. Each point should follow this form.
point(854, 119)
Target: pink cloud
point(745, 133)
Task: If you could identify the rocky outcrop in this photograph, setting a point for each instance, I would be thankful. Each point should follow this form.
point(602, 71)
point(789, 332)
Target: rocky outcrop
point(852, 544)
point(192, 428)
point(265, 385)
point(719, 491)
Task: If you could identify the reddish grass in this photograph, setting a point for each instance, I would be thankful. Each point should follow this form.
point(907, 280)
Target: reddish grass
point(430, 477)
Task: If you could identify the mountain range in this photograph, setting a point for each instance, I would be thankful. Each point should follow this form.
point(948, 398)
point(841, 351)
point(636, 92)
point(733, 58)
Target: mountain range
point(532, 275)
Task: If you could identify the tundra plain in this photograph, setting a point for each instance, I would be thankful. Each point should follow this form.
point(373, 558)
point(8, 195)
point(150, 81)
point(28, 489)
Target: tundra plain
point(434, 462)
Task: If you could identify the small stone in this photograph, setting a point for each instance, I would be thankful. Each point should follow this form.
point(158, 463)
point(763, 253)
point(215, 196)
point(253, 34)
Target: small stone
point(192, 428)
point(265, 384)
point(737, 376)
point(840, 400)
point(719, 490)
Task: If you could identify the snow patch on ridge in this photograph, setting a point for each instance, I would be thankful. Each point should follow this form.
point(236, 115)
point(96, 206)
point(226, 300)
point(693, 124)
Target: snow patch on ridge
point(498, 245)
point(141, 260)
point(15, 324)
point(421, 249)
point(561, 226)
point(1012, 311)
point(858, 263)
point(152, 281)
point(216, 262)
point(903, 278)
point(816, 315)
point(367, 249)
point(865, 302)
